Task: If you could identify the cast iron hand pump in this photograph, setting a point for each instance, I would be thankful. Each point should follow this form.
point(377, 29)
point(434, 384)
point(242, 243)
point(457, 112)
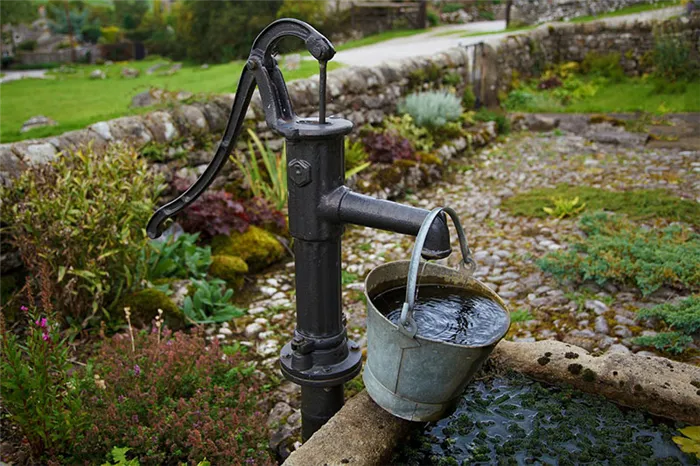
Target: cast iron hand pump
point(319, 358)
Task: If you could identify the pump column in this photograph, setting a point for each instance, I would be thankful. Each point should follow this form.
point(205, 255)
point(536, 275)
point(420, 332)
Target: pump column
point(319, 358)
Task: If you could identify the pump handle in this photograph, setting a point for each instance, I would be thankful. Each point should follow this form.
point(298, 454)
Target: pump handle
point(261, 70)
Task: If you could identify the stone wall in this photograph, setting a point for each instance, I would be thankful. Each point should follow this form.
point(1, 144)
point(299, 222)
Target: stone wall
point(529, 54)
point(542, 11)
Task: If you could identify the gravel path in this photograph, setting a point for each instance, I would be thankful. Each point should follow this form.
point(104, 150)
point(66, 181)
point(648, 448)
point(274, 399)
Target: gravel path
point(434, 41)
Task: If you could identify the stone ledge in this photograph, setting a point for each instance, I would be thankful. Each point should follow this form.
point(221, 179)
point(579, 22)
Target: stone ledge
point(363, 434)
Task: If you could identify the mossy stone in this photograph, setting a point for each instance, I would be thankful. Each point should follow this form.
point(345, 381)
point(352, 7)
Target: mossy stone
point(229, 268)
point(144, 307)
point(257, 247)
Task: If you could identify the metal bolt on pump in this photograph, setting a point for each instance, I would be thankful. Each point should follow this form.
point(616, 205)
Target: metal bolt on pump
point(320, 357)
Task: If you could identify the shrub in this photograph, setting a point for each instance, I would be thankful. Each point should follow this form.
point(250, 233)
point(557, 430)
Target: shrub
point(432, 109)
point(388, 146)
point(468, 98)
point(619, 250)
point(684, 316)
point(219, 213)
point(38, 394)
point(603, 65)
point(177, 258)
point(433, 17)
point(209, 304)
point(420, 138)
point(257, 247)
point(564, 207)
point(174, 399)
point(672, 59)
point(667, 342)
point(82, 218)
point(27, 46)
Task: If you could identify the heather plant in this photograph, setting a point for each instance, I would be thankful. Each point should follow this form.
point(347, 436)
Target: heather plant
point(616, 249)
point(172, 399)
point(209, 304)
point(82, 218)
point(386, 147)
point(39, 394)
point(432, 109)
point(177, 258)
point(682, 321)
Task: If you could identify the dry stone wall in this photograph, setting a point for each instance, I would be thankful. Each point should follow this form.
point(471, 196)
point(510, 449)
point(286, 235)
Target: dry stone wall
point(542, 11)
point(527, 55)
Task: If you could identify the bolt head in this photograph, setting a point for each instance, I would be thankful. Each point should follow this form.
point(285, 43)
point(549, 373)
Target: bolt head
point(299, 171)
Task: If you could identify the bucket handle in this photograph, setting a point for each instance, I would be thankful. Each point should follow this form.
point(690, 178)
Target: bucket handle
point(407, 325)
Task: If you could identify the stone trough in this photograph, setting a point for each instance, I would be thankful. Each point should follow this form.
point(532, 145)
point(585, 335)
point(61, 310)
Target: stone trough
point(363, 434)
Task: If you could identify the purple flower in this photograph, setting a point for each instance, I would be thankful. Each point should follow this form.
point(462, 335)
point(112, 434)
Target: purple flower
point(137, 370)
point(24, 308)
point(135, 418)
point(121, 398)
point(45, 336)
point(42, 322)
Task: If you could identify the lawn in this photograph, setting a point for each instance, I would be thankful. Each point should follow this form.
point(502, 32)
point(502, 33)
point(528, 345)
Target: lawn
point(630, 95)
point(381, 37)
point(76, 101)
point(629, 10)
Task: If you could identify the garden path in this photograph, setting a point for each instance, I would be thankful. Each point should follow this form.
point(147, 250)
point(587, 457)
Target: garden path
point(436, 41)
point(506, 246)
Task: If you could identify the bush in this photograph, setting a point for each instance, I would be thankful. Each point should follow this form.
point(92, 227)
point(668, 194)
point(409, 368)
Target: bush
point(672, 59)
point(38, 392)
point(618, 250)
point(27, 46)
point(420, 138)
point(174, 399)
point(387, 147)
point(604, 65)
point(431, 109)
point(433, 17)
point(667, 342)
point(82, 219)
point(684, 316)
point(468, 98)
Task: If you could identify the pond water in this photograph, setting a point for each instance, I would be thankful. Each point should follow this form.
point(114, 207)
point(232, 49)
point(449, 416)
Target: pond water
point(512, 420)
point(447, 313)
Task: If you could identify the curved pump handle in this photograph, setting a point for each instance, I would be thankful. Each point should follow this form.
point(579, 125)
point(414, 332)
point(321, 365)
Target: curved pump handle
point(261, 70)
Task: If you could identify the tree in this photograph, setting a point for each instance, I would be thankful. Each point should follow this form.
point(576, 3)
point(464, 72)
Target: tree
point(20, 11)
point(130, 13)
point(68, 21)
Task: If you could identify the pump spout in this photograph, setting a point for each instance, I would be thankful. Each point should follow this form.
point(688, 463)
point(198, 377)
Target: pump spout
point(346, 206)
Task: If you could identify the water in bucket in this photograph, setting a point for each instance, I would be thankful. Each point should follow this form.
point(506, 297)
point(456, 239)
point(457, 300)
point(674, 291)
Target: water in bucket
point(448, 313)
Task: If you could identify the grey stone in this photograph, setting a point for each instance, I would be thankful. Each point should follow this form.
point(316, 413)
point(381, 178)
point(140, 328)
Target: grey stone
point(98, 74)
point(253, 330)
point(130, 73)
point(10, 165)
point(618, 348)
point(161, 126)
point(601, 325)
point(622, 331)
point(38, 121)
point(143, 99)
point(596, 306)
point(279, 414)
point(537, 122)
point(35, 152)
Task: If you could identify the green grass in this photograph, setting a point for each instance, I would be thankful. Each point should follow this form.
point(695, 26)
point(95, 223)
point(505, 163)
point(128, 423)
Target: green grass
point(75, 101)
point(628, 11)
point(638, 204)
point(381, 37)
point(490, 33)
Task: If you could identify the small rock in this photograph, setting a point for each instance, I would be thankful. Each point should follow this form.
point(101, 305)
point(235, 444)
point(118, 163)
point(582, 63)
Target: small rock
point(622, 331)
point(253, 330)
point(205, 66)
point(268, 290)
point(130, 73)
point(645, 354)
point(294, 419)
point(618, 348)
point(98, 74)
point(596, 306)
point(278, 414)
point(225, 331)
point(601, 325)
point(143, 99)
point(38, 121)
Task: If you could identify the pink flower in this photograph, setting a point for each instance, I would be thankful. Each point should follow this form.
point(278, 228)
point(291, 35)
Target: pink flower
point(23, 308)
point(45, 336)
point(42, 322)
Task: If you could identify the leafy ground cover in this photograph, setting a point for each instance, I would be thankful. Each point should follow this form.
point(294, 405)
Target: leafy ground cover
point(76, 101)
point(638, 204)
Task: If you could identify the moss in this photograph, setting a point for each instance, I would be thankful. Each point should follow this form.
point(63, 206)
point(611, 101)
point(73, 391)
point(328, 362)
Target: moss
point(543, 361)
point(144, 307)
point(257, 247)
point(571, 355)
point(575, 368)
point(429, 159)
point(405, 163)
point(229, 268)
point(389, 176)
point(638, 204)
point(599, 118)
point(588, 375)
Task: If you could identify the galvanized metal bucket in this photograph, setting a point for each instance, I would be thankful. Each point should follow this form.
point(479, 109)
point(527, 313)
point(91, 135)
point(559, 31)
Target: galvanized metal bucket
point(412, 377)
